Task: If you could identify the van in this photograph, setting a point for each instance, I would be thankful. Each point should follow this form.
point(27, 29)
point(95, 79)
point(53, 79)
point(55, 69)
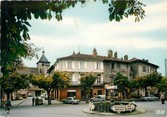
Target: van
point(98, 98)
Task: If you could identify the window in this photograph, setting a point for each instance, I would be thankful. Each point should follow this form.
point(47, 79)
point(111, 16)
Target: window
point(144, 68)
point(112, 65)
point(69, 65)
point(99, 78)
point(97, 65)
point(99, 92)
point(82, 65)
point(148, 70)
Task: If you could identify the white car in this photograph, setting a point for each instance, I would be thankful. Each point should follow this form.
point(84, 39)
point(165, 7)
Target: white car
point(149, 98)
point(98, 98)
point(71, 100)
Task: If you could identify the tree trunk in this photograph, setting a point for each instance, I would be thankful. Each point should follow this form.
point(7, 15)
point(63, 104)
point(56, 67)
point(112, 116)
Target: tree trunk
point(146, 92)
point(49, 100)
point(87, 96)
point(8, 95)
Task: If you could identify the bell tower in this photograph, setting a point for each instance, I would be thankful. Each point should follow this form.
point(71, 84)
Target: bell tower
point(43, 64)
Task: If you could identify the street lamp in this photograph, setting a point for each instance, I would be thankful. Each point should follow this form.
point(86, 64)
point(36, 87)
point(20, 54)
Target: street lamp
point(113, 87)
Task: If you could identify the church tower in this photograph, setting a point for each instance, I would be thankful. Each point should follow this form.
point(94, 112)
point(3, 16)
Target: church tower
point(43, 64)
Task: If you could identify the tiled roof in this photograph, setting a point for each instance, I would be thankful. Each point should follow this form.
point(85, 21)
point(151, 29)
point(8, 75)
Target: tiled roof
point(87, 57)
point(28, 70)
point(142, 61)
point(79, 56)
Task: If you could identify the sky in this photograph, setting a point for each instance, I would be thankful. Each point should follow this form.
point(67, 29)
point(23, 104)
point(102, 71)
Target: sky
point(87, 26)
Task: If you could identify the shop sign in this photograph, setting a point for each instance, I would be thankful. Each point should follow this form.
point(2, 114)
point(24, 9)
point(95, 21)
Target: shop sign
point(112, 87)
point(71, 90)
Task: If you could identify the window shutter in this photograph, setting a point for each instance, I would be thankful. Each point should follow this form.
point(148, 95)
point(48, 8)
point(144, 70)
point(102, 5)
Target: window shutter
point(66, 64)
point(79, 65)
point(101, 65)
point(73, 65)
point(85, 65)
point(95, 65)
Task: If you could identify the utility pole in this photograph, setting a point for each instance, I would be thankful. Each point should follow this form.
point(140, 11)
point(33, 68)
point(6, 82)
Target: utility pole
point(165, 67)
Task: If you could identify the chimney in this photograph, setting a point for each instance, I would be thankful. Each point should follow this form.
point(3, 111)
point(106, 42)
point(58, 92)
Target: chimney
point(126, 57)
point(110, 53)
point(94, 52)
point(115, 55)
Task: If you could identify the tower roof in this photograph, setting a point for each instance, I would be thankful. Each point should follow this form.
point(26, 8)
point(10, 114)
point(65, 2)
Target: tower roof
point(43, 59)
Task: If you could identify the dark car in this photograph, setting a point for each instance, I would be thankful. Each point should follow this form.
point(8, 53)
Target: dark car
point(149, 98)
point(38, 101)
point(71, 100)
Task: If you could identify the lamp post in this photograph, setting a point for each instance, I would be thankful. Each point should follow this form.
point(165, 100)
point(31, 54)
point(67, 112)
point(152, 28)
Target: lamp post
point(113, 87)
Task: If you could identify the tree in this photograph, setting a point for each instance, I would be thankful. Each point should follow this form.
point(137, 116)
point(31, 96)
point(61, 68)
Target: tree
point(149, 80)
point(162, 85)
point(86, 83)
point(15, 16)
point(14, 82)
point(122, 83)
point(153, 79)
point(56, 81)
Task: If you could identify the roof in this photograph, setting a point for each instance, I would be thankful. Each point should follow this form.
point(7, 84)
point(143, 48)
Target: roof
point(80, 56)
point(87, 57)
point(28, 70)
point(43, 59)
point(134, 60)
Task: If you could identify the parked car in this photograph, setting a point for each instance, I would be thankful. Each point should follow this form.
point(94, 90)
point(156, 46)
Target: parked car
point(71, 100)
point(38, 101)
point(149, 98)
point(98, 98)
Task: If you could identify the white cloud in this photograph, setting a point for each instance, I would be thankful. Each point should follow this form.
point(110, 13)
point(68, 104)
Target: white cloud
point(74, 31)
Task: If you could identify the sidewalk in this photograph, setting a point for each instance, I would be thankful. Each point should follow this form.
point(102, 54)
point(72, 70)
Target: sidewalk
point(17, 102)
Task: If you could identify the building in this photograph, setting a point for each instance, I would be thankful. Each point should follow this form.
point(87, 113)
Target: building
point(105, 67)
point(79, 64)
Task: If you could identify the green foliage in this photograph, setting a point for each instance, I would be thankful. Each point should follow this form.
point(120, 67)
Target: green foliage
point(86, 83)
point(124, 8)
point(134, 85)
point(143, 82)
point(16, 14)
point(162, 85)
point(122, 83)
point(14, 82)
point(56, 81)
